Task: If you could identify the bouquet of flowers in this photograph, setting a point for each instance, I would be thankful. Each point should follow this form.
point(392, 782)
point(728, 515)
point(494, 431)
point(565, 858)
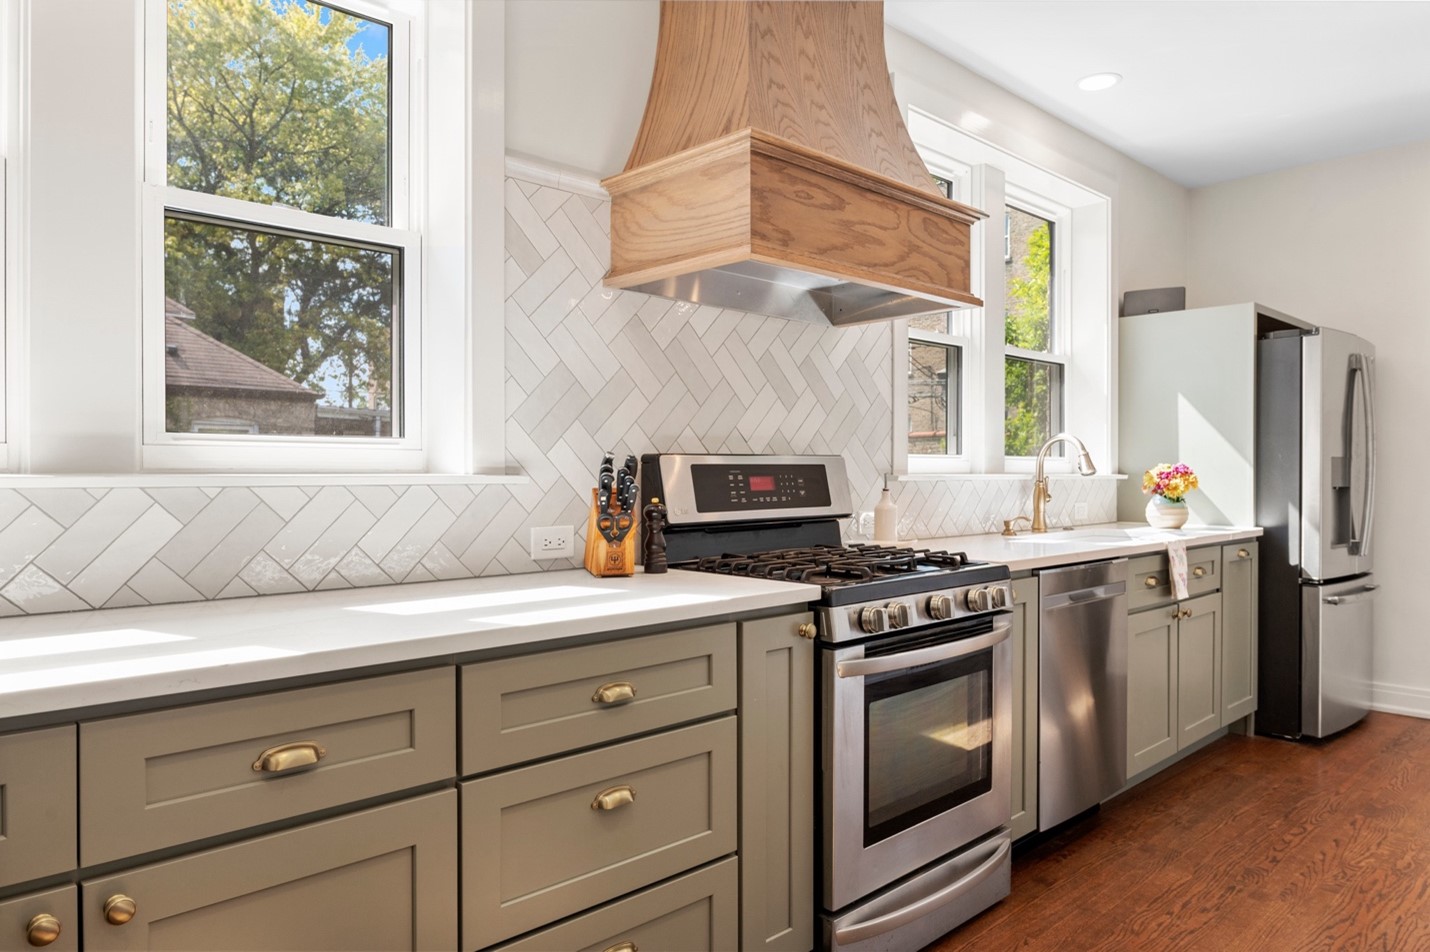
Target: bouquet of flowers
point(1172, 481)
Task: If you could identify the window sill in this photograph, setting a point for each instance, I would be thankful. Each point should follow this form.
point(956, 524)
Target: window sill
point(220, 480)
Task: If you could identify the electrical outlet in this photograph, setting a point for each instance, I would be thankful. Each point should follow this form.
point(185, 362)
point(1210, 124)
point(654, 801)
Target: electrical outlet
point(1080, 511)
point(551, 542)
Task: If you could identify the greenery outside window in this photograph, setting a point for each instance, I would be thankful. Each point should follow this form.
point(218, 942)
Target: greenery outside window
point(281, 271)
point(1033, 365)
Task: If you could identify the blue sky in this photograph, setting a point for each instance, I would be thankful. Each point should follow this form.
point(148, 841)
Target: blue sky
point(371, 38)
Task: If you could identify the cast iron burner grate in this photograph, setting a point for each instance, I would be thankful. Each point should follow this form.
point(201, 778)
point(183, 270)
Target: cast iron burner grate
point(831, 565)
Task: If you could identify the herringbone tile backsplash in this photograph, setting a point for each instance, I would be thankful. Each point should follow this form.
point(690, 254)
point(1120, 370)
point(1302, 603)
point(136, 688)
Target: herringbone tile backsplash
point(588, 369)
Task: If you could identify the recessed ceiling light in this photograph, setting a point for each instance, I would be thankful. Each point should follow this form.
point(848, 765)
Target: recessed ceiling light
point(1098, 81)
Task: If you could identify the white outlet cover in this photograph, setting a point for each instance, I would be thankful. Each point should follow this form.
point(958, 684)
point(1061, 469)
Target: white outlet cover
point(552, 542)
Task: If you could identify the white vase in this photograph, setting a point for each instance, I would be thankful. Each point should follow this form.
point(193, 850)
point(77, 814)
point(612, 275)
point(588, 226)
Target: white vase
point(1162, 513)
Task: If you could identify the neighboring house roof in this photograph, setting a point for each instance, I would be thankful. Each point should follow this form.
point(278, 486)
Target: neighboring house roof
point(194, 360)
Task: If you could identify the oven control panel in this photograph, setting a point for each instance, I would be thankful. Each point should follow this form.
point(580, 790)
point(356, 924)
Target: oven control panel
point(725, 489)
point(916, 611)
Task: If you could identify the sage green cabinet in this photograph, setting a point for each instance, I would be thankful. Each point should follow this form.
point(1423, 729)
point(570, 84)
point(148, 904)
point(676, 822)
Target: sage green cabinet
point(30, 920)
point(1191, 665)
point(1151, 687)
point(1238, 630)
point(383, 878)
point(38, 834)
point(1198, 668)
point(1173, 678)
point(776, 784)
point(1025, 706)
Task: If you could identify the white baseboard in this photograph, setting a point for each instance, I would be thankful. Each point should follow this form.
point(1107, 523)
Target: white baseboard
point(1401, 699)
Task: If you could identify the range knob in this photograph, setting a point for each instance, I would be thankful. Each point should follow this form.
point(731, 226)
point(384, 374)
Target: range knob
point(1000, 597)
point(941, 607)
point(978, 600)
point(900, 615)
point(873, 619)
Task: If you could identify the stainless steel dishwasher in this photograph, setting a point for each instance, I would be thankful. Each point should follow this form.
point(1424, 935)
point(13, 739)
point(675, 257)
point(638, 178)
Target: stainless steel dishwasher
point(1082, 688)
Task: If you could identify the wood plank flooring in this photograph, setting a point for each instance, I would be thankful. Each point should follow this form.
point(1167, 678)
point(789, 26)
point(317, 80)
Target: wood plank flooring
point(1249, 844)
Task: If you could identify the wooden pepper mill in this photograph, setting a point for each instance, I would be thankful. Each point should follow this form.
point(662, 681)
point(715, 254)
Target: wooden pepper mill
point(653, 520)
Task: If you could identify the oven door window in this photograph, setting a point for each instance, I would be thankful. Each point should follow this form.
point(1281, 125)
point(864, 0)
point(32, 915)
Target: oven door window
point(928, 742)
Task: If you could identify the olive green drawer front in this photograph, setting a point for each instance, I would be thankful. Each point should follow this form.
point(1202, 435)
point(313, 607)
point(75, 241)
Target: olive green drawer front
point(1150, 581)
point(27, 921)
point(158, 779)
point(538, 843)
point(696, 912)
point(37, 804)
point(522, 709)
point(383, 878)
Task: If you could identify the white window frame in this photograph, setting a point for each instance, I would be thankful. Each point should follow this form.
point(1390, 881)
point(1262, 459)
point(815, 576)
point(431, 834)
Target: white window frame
point(988, 176)
point(12, 53)
point(163, 450)
point(1060, 216)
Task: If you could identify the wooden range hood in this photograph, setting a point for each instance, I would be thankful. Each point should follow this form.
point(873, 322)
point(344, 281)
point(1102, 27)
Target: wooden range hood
point(773, 173)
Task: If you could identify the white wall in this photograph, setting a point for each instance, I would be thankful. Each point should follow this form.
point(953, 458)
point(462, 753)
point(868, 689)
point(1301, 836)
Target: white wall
point(1345, 243)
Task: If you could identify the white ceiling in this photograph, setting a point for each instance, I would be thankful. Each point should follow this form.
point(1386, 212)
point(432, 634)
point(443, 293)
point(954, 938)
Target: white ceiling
point(1212, 90)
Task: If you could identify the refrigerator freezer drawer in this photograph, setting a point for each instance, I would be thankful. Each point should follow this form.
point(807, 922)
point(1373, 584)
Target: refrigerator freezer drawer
point(1336, 646)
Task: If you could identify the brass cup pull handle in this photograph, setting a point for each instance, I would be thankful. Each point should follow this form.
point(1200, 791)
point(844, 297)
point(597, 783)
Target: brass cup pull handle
point(43, 929)
point(614, 692)
point(303, 753)
point(1242, 553)
point(119, 909)
point(614, 798)
point(1152, 581)
point(1199, 571)
point(627, 946)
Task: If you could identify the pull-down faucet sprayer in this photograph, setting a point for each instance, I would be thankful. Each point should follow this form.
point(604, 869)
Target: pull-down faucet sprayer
point(1041, 495)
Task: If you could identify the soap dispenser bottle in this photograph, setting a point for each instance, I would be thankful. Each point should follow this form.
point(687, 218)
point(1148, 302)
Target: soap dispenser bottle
point(886, 518)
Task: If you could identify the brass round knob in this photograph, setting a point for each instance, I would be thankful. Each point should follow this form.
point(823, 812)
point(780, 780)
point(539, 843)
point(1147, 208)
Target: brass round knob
point(807, 630)
point(43, 929)
point(1242, 553)
point(119, 909)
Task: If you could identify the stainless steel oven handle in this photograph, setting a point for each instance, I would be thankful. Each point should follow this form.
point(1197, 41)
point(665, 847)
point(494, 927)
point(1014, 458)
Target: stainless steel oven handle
point(858, 931)
point(909, 659)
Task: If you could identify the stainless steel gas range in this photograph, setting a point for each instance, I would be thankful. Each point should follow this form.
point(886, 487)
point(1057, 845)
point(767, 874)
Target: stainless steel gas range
point(914, 688)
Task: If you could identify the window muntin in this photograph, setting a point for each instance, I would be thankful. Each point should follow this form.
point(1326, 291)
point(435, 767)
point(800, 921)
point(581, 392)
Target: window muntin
point(277, 230)
point(935, 362)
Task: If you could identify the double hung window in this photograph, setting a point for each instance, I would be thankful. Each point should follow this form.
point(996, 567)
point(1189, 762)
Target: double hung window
point(1033, 364)
point(282, 265)
point(935, 379)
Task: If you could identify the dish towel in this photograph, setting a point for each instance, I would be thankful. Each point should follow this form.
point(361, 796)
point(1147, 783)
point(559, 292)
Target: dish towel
point(1177, 561)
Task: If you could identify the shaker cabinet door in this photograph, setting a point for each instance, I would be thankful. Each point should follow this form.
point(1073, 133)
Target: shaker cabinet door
point(1151, 687)
point(380, 879)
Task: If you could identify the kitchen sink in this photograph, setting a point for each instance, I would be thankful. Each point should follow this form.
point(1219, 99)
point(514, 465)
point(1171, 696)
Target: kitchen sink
point(1102, 536)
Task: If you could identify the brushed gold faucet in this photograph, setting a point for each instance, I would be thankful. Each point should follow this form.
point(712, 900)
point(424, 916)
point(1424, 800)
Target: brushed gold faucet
point(1041, 495)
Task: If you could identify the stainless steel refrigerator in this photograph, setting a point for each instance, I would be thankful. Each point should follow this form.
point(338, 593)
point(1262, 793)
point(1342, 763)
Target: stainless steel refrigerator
point(1315, 498)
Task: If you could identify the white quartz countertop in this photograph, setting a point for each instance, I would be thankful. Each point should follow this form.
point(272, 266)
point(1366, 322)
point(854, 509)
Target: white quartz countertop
point(51, 663)
point(1114, 540)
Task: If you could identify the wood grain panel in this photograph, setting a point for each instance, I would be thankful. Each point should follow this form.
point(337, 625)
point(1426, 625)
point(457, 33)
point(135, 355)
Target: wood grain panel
point(810, 72)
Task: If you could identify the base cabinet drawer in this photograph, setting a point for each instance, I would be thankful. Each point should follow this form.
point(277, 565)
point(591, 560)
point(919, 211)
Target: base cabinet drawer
point(517, 710)
point(37, 804)
point(697, 912)
point(47, 920)
point(379, 879)
point(163, 778)
point(545, 841)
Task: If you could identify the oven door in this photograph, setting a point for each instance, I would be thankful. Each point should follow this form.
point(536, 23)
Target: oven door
point(917, 736)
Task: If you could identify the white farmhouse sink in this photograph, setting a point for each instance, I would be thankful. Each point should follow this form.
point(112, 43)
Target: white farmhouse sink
point(1100, 536)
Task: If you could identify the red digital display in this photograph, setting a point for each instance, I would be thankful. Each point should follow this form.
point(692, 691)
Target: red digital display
point(762, 484)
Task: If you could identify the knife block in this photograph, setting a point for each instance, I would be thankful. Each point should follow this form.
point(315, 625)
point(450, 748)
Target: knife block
point(604, 559)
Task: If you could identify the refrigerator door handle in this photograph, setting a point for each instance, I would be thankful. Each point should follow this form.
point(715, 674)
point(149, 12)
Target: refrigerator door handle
point(1365, 364)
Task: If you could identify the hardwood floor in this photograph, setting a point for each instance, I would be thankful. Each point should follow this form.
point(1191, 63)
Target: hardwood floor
point(1252, 843)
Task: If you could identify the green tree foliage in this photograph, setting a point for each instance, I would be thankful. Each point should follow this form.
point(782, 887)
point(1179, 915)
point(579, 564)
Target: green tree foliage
point(1027, 388)
point(267, 102)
